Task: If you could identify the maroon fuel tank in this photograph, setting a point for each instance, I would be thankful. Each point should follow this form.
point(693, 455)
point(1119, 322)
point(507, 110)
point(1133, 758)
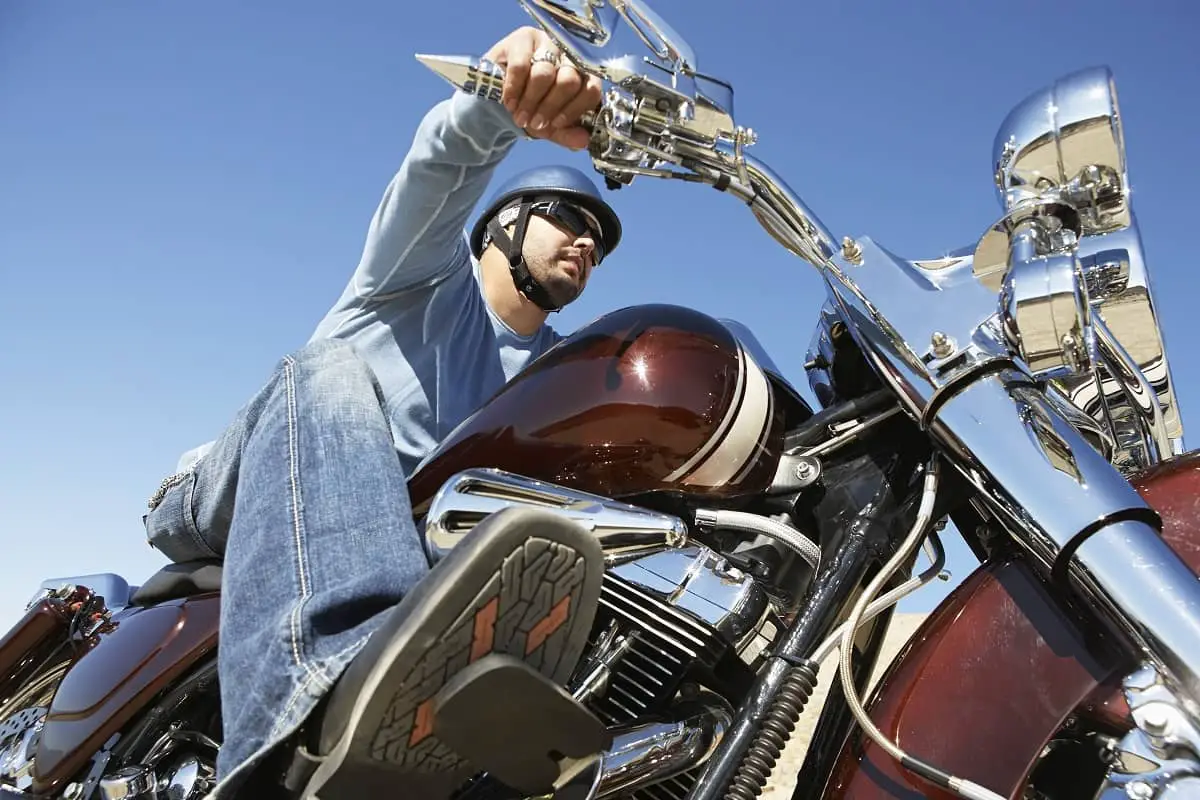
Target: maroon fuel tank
point(648, 398)
point(141, 653)
point(999, 667)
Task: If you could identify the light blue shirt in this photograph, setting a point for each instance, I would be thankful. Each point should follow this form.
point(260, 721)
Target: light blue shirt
point(414, 308)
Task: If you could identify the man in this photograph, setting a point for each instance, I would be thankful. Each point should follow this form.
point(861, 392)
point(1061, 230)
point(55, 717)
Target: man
point(327, 594)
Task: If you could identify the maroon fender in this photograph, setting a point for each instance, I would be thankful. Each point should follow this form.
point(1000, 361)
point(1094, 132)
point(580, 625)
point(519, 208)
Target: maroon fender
point(998, 668)
point(143, 651)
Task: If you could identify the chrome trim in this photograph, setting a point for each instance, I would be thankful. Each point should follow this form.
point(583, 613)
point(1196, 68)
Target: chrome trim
point(893, 308)
point(1147, 433)
point(1160, 757)
point(1131, 573)
point(646, 752)
point(20, 734)
point(1118, 278)
point(1067, 138)
point(131, 783)
point(1063, 148)
point(1025, 435)
point(468, 497)
point(115, 590)
point(704, 585)
point(1045, 313)
point(597, 668)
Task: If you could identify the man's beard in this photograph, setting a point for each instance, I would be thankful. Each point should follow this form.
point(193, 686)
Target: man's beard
point(558, 284)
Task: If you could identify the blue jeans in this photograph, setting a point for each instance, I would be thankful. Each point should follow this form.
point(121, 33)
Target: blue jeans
point(304, 498)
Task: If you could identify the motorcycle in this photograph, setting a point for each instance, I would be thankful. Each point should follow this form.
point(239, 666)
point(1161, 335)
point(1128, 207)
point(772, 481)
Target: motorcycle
point(1019, 389)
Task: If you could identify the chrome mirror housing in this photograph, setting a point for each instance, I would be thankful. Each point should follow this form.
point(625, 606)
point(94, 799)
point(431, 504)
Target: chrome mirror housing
point(1067, 139)
point(1079, 311)
point(1045, 316)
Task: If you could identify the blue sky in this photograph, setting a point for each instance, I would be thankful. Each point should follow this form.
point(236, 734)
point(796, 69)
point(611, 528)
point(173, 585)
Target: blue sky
point(184, 190)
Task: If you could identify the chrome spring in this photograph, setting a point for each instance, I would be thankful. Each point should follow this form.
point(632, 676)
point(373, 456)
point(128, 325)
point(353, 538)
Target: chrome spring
point(777, 727)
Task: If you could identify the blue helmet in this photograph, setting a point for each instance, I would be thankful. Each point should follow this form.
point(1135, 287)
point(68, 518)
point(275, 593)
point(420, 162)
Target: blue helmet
point(567, 183)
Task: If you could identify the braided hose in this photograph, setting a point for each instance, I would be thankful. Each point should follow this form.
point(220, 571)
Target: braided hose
point(777, 727)
point(809, 550)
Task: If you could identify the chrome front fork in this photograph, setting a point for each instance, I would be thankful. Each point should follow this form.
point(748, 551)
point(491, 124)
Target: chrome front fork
point(1077, 515)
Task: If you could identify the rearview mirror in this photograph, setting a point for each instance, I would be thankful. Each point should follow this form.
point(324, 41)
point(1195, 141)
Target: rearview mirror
point(1067, 138)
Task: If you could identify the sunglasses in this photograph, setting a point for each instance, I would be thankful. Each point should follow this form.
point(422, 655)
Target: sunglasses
point(575, 219)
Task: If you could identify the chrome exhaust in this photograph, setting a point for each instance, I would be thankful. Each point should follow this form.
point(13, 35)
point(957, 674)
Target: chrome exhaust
point(468, 497)
point(648, 752)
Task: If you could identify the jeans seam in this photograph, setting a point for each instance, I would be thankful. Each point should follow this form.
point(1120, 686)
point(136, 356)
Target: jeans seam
point(282, 720)
point(189, 514)
point(316, 673)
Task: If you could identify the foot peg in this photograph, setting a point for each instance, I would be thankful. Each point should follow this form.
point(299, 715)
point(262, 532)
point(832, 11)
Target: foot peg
point(508, 719)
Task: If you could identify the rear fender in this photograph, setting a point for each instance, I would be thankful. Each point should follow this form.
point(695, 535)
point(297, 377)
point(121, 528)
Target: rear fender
point(137, 656)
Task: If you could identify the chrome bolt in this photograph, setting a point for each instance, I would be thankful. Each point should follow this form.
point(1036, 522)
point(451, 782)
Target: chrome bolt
point(851, 250)
point(1139, 790)
point(807, 470)
point(1155, 719)
point(941, 345)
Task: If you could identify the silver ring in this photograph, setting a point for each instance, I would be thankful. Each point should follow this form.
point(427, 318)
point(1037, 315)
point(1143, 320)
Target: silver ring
point(547, 54)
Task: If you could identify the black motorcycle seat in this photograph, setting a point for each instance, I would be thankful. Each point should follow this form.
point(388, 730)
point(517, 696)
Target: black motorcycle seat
point(179, 580)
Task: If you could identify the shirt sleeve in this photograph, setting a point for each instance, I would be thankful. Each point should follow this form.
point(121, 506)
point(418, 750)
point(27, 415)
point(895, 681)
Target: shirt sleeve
point(416, 234)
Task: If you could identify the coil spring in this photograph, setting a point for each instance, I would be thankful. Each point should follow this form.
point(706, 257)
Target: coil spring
point(756, 767)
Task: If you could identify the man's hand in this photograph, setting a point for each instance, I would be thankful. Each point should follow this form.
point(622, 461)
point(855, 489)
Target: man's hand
point(547, 99)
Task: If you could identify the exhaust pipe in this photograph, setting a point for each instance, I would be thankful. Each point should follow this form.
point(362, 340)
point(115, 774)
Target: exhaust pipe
point(470, 496)
point(649, 752)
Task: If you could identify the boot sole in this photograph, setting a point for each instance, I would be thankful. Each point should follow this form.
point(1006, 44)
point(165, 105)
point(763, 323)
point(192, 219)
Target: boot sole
point(524, 583)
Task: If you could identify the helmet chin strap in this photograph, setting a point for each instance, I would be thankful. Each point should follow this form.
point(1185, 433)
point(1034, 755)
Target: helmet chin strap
point(524, 281)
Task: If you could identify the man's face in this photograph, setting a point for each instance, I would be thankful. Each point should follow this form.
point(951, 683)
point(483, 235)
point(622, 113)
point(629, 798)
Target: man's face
point(558, 257)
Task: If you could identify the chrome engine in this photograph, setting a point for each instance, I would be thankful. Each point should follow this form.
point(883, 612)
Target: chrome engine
point(676, 635)
point(672, 652)
point(19, 736)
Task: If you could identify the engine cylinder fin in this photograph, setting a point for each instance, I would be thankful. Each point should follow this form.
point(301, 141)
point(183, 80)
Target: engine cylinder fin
point(667, 644)
point(667, 614)
point(630, 608)
point(630, 696)
point(657, 659)
point(689, 653)
point(643, 673)
point(630, 684)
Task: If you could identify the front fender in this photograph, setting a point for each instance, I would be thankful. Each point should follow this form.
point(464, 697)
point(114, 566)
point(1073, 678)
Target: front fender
point(999, 667)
